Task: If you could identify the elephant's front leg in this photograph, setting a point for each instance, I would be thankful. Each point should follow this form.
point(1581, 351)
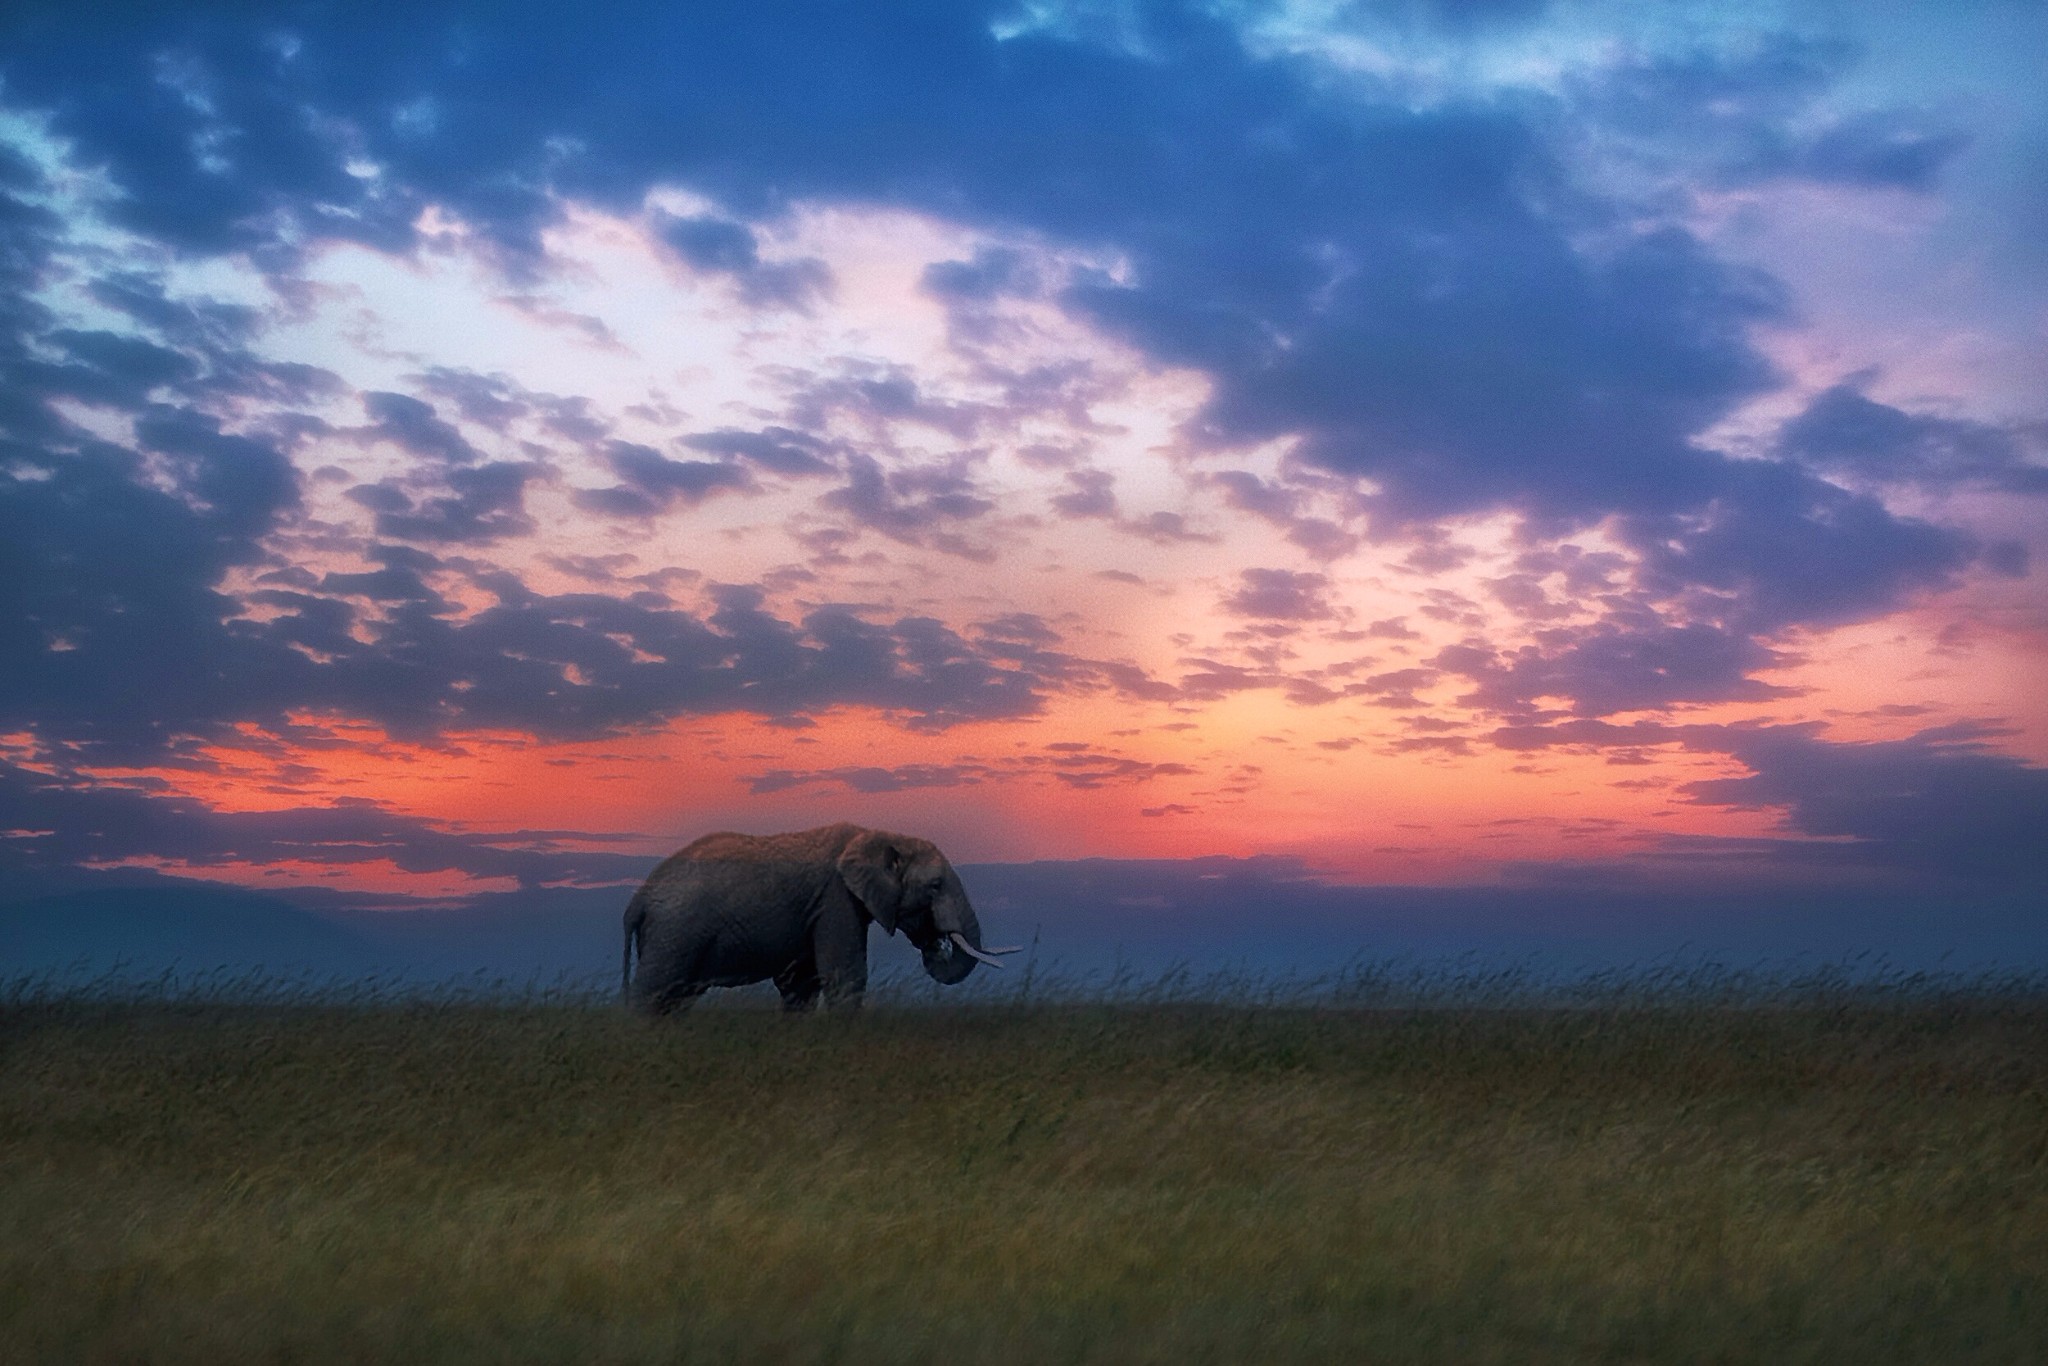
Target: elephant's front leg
point(840, 947)
point(799, 984)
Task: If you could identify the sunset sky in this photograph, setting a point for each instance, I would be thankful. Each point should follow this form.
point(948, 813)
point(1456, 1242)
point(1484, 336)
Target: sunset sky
point(453, 448)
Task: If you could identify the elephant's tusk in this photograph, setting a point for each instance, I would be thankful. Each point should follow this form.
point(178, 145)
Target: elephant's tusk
point(978, 955)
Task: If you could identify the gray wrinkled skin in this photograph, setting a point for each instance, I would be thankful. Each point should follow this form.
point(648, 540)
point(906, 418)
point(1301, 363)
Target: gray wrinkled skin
point(733, 909)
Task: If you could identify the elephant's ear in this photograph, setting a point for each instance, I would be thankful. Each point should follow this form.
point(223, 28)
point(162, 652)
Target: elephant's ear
point(872, 866)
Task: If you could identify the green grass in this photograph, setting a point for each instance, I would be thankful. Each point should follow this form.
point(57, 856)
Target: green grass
point(1828, 1178)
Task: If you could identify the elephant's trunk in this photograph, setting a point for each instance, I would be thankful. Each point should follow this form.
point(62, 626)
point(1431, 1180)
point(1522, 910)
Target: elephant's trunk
point(945, 958)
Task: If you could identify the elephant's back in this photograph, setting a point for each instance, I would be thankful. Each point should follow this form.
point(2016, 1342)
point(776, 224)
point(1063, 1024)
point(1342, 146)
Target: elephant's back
point(726, 846)
point(727, 865)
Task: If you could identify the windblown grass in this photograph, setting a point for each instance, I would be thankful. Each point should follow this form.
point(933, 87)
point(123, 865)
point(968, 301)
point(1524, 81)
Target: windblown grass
point(1698, 1166)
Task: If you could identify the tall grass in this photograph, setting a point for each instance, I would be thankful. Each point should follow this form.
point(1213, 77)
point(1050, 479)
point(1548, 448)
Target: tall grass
point(1388, 1164)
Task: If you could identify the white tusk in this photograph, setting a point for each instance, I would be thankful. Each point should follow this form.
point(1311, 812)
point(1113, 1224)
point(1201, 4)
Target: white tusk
point(978, 955)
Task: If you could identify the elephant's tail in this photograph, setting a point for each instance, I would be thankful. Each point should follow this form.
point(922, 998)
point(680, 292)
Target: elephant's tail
point(636, 922)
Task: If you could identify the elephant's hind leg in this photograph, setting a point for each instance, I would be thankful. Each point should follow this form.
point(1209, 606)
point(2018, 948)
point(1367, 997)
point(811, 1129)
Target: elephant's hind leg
point(672, 975)
point(799, 985)
point(677, 1000)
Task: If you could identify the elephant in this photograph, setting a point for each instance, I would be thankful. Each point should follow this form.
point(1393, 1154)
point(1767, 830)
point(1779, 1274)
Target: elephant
point(732, 909)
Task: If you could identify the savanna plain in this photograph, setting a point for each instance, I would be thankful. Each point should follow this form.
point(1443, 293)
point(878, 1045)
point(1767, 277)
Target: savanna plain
point(1822, 1174)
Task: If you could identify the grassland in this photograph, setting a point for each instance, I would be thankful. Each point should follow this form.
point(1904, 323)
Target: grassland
point(1830, 1178)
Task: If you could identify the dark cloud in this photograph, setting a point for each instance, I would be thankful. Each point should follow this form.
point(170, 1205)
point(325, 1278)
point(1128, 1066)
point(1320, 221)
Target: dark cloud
point(724, 247)
point(1395, 688)
point(1070, 763)
point(1090, 493)
point(878, 397)
point(1243, 489)
point(1455, 18)
point(1939, 804)
point(414, 427)
point(467, 506)
point(993, 273)
point(1692, 621)
point(779, 450)
point(1281, 505)
point(116, 370)
point(650, 482)
point(1846, 433)
point(491, 401)
point(114, 633)
point(916, 505)
point(52, 824)
point(497, 404)
point(871, 779)
point(1776, 547)
point(198, 348)
point(1614, 666)
point(1495, 368)
point(1280, 595)
point(1885, 149)
point(1754, 111)
point(973, 291)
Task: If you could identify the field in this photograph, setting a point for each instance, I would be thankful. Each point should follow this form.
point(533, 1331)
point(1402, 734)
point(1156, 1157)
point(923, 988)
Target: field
point(1829, 1176)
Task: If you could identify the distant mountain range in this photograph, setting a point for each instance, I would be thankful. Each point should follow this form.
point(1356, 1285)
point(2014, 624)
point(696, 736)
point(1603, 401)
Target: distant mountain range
point(189, 929)
point(1260, 916)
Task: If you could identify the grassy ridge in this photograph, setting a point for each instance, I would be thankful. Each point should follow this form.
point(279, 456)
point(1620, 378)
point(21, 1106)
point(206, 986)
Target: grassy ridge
point(1089, 1183)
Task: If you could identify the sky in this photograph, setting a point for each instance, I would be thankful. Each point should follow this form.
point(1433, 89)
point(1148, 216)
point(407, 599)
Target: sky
point(451, 449)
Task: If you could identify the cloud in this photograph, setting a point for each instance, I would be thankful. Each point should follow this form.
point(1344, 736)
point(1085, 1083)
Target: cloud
point(481, 504)
point(1758, 109)
point(1939, 804)
point(1614, 666)
point(724, 247)
point(992, 273)
point(1280, 595)
point(1883, 149)
point(1281, 505)
point(779, 450)
point(871, 779)
point(414, 427)
point(913, 504)
point(1090, 493)
point(1776, 547)
point(650, 482)
point(497, 403)
point(1395, 688)
point(52, 825)
point(1843, 431)
point(1072, 764)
